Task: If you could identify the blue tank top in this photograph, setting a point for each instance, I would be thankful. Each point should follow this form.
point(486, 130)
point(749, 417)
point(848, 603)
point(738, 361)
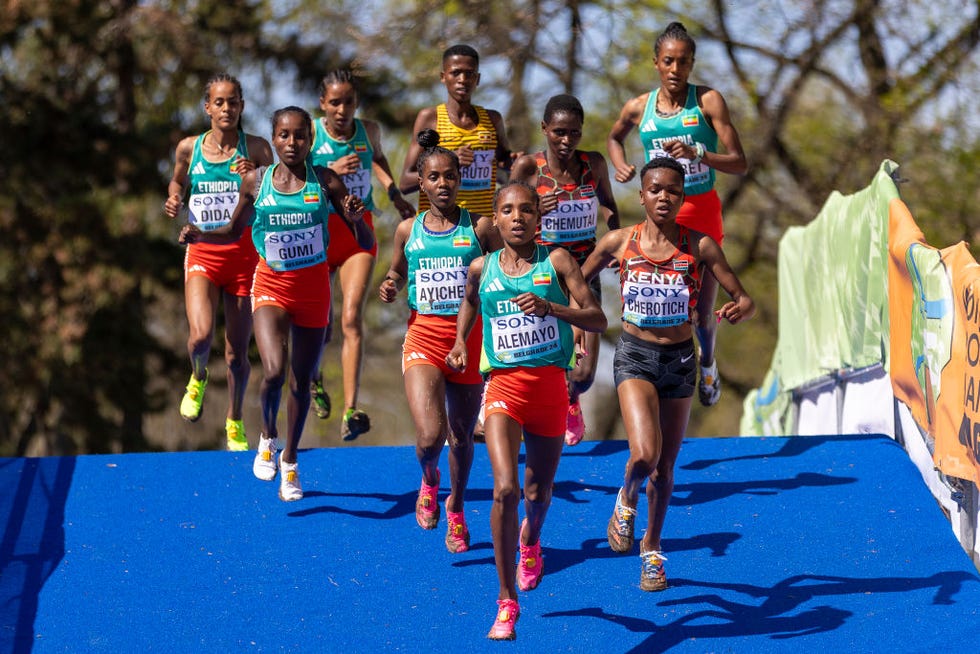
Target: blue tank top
point(326, 149)
point(512, 339)
point(438, 264)
point(688, 125)
point(213, 186)
point(290, 229)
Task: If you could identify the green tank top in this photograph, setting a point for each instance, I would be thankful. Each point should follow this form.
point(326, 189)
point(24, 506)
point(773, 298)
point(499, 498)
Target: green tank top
point(290, 229)
point(326, 149)
point(438, 263)
point(213, 186)
point(512, 339)
point(688, 125)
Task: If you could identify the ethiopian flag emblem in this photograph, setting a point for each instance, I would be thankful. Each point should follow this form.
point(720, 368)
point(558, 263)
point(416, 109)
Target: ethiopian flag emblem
point(541, 279)
point(311, 198)
point(360, 147)
point(690, 121)
point(462, 241)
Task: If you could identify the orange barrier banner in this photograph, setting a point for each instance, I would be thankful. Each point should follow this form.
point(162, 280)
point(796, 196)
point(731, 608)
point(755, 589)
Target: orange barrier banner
point(903, 233)
point(958, 405)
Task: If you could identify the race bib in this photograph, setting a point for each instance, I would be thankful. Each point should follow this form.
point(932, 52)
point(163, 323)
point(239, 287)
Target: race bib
point(479, 175)
point(571, 221)
point(518, 337)
point(209, 211)
point(694, 173)
point(294, 249)
point(358, 183)
point(655, 305)
point(440, 291)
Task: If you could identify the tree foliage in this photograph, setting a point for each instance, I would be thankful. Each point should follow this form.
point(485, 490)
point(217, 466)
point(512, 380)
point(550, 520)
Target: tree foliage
point(96, 94)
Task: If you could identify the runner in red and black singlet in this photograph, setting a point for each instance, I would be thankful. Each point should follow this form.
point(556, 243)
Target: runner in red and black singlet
point(654, 369)
point(574, 189)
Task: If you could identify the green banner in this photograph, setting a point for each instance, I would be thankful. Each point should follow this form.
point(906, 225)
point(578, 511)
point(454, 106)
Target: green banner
point(833, 300)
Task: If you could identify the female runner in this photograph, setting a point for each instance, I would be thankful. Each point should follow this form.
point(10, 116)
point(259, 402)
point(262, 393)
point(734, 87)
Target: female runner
point(289, 203)
point(210, 168)
point(431, 256)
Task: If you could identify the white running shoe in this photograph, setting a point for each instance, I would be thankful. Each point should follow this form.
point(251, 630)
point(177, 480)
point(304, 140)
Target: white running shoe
point(265, 463)
point(289, 488)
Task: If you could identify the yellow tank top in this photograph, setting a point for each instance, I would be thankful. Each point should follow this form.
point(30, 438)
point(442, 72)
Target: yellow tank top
point(478, 181)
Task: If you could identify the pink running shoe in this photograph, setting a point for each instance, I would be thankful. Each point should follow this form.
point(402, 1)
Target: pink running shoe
point(427, 505)
point(457, 535)
point(503, 627)
point(530, 567)
point(575, 426)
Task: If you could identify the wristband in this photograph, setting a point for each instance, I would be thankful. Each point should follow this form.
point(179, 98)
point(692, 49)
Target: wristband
point(393, 191)
point(698, 152)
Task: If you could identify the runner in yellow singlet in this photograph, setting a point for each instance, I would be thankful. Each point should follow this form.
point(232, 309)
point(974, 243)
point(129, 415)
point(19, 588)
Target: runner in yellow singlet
point(474, 133)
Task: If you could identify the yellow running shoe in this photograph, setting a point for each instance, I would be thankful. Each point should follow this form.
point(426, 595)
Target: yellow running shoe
point(190, 405)
point(235, 431)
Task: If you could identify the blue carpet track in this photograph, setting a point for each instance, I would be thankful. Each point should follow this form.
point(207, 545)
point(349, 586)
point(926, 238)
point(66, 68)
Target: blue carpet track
point(773, 545)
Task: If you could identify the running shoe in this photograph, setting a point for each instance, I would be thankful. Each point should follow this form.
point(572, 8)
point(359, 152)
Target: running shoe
point(320, 399)
point(265, 464)
point(289, 488)
point(503, 626)
point(652, 576)
point(530, 568)
point(354, 423)
point(457, 535)
point(575, 425)
point(235, 433)
point(427, 505)
point(709, 385)
point(193, 400)
point(620, 529)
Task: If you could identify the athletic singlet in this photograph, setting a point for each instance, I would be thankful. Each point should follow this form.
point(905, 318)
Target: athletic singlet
point(213, 186)
point(438, 263)
point(688, 125)
point(290, 229)
point(478, 181)
point(658, 293)
point(572, 223)
point(326, 149)
point(512, 339)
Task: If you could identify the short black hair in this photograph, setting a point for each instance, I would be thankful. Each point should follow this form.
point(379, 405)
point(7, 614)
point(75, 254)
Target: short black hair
point(461, 50)
point(662, 162)
point(565, 104)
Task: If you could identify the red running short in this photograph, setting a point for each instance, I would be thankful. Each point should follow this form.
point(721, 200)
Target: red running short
point(343, 245)
point(430, 338)
point(230, 267)
point(303, 293)
point(702, 212)
point(537, 398)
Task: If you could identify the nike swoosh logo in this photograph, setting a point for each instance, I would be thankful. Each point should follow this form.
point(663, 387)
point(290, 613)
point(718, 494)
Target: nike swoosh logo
point(687, 358)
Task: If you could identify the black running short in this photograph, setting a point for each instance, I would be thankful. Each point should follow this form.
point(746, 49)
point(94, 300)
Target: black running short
point(670, 368)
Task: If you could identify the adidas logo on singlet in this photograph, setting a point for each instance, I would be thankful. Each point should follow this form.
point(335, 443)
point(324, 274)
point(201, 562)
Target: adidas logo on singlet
point(649, 126)
point(198, 169)
point(416, 245)
point(324, 149)
point(495, 285)
point(267, 201)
